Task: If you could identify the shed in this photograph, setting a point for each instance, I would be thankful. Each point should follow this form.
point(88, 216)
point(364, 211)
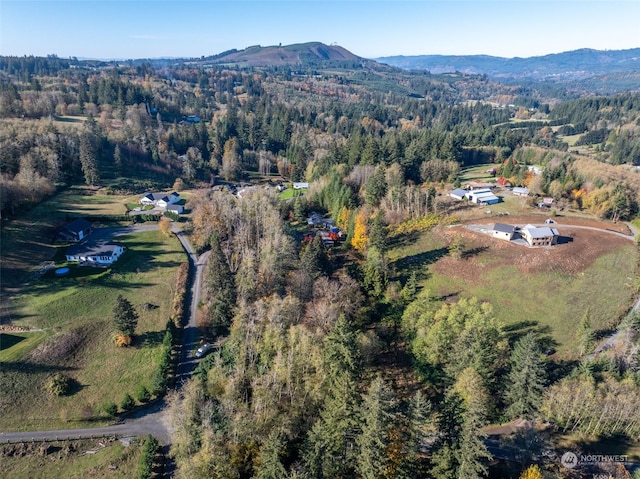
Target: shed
point(503, 231)
point(520, 191)
point(458, 194)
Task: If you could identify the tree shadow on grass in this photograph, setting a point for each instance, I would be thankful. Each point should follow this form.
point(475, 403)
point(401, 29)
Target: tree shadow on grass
point(470, 253)
point(149, 339)
point(418, 262)
point(9, 340)
point(33, 368)
point(518, 330)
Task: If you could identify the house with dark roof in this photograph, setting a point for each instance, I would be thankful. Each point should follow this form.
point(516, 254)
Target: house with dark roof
point(101, 253)
point(75, 231)
point(161, 200)
point(503, 231)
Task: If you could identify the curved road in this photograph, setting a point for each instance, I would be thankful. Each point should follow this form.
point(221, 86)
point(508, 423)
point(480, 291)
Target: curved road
point(152, 419)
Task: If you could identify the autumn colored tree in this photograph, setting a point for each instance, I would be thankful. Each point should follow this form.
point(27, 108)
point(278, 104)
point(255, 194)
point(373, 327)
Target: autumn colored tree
point(360, 234)
point(532, 472)
point(165, 225)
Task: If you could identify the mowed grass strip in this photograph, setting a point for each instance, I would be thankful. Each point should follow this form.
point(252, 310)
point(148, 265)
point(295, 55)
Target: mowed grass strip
point(549, 302)
point(77, 311)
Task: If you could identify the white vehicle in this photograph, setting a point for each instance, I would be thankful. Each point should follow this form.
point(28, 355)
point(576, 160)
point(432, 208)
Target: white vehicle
point(203, 350)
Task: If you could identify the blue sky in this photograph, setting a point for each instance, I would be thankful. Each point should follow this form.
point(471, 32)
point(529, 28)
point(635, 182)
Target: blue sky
point(369, 28)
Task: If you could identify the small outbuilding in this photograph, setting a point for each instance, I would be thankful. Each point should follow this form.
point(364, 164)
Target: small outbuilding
point(458, 194)
point(503, 231)
point(520, 191)
point(75, 231)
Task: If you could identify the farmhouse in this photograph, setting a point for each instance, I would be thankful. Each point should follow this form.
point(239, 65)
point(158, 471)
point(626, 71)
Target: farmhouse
point(503, 231)
point(458, 194)
point(520, 191)
point(101, 254)
point(482, 196)
point(537, 236)
point(161, 200)
point(75, 231)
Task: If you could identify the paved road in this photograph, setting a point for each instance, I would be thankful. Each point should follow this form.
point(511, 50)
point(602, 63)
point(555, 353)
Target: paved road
point(152, 419)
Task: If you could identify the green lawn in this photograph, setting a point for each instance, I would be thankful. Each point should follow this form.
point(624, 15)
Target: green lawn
point(551, 303)
point(75, 312)
point(27, 240)
point(71, 460)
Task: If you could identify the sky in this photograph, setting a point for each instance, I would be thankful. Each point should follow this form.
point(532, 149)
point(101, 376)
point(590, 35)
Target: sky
point(128, 29)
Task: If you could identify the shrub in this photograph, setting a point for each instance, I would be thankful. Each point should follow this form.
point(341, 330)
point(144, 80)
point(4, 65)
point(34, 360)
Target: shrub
point(142, 394)
point(149, 451)
point(59, 384)
point(127, 402)
point(123, 340)
point(110, 409)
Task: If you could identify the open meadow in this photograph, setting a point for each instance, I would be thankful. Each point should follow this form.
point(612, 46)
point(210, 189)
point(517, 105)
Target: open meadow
point(548, 290)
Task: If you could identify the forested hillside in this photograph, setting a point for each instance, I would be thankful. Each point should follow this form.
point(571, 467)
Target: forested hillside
point(337, 363)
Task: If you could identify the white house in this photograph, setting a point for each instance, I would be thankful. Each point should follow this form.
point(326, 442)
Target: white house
point(100, 254)
point(300, 186)
point(161, 200)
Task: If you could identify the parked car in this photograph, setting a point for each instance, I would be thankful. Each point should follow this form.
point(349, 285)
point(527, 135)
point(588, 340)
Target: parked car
point(203, 350)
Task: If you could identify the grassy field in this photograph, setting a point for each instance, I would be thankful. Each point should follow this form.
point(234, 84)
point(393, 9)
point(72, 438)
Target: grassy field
point(551, 300)
point(99, 458)
point(27, 241)
point(75, 314)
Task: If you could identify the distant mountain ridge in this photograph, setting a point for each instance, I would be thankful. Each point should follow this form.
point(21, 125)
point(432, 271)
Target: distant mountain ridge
point(572, 65)
point(300, 53)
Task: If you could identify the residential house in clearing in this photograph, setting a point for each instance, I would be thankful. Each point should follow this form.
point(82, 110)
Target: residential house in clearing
point(75, 231)
point(539, 236)
point(504, 231)
point(100, 254)
point(160, 200)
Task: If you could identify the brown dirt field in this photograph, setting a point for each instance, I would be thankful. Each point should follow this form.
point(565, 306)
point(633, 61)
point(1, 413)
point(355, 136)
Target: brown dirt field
point(484, 252)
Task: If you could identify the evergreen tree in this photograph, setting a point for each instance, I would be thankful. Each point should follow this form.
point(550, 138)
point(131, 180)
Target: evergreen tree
point(270, 464)
point(88, 160)
point(329, 451)
point(376, 416)
point(376, 187)
point(526, 379)
point(313, 260)
point(125, 317)
point(584, 334)
point(378, 233)
point(220, 286)
point(375, 272)
point(472, 454)
point(340, 350)
point(449, 423)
